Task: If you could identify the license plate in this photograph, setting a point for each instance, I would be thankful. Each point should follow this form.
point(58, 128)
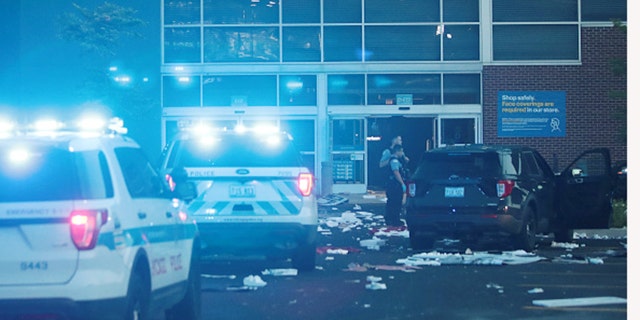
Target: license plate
point(454, 192)
point(242, 191)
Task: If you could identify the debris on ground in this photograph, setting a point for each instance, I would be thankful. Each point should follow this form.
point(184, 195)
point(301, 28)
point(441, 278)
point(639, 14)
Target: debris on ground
point(535, 290)
point(368, 267)
point(435, 258)
point(570, 258)
point(280, 272)
point(579, 302)
point(375, 284)
point(253, 282)
point(373, 244)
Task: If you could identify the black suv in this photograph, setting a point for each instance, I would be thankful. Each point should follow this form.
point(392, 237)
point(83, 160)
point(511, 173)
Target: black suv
point(470, 191)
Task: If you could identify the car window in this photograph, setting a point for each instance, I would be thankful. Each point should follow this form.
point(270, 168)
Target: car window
point(436, 165)
point(510, 163)
point(141, 179)
point(591, 165)
point(531, 167)
point(40, 173)
point(234, 151)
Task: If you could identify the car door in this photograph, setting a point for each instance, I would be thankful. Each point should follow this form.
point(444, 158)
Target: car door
point(585, 189)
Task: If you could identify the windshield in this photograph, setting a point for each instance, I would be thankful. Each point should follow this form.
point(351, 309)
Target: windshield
point(234, 151)
point(440, 165)
point(38, 173)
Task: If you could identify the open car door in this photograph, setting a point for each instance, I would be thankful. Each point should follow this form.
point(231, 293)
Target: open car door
point(584, 191)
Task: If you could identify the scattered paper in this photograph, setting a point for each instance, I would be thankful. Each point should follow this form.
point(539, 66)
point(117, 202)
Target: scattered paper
point(578, 302)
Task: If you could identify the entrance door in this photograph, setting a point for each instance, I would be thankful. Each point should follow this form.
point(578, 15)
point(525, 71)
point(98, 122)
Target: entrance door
point(417, 135)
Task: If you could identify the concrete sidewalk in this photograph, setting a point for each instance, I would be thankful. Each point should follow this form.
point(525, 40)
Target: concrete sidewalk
point(379, 197)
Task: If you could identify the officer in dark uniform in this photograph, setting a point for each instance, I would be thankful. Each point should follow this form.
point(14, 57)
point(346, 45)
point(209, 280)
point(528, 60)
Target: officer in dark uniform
point(395, 187)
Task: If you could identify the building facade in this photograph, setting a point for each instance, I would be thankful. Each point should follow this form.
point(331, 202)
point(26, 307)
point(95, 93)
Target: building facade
point(345, 76)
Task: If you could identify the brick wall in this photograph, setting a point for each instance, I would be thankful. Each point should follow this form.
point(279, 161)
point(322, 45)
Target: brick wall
point(590, 109)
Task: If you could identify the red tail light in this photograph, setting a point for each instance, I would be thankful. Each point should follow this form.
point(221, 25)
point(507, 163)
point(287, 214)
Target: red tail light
point(85, 226)
point(305, 183)
point(504, 188)
point(172, 184)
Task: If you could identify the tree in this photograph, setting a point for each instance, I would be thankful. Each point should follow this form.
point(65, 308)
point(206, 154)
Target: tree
point(99, 32)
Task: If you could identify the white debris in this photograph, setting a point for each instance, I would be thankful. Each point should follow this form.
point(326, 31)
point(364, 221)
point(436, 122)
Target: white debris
point(536, 290)
point(578, 302)
point(373, 244)
point(374, 283)
point(495, 286)
point(280, 272)
point(254, 281)
point(565, 245)
point(216, 276)
point(435, 258)
point(337, 251)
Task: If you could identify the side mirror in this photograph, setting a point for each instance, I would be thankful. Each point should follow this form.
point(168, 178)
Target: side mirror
point(576, 172)
point(186, 190)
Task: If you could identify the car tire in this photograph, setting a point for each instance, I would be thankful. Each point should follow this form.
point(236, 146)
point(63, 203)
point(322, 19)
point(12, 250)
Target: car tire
point(526, 238)
point(190, 307)
point(304, 258)
point(418, 242)
point(138, 295)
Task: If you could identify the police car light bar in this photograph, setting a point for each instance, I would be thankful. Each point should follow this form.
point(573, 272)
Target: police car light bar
point(51, 126)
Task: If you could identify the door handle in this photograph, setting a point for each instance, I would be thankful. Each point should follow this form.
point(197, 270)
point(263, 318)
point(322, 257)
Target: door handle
point(142, 215)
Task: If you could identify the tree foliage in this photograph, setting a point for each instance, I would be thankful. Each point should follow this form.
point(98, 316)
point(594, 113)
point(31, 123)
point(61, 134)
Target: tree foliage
point(101, 29)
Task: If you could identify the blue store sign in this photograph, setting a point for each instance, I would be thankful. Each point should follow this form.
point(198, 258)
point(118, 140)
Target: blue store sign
point(531, 113)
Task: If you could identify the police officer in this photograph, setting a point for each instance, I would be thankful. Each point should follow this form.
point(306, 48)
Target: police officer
point(395, 187)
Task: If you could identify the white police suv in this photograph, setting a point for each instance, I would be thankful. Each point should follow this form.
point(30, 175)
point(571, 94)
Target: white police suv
point(89, 230)
point(255, 196)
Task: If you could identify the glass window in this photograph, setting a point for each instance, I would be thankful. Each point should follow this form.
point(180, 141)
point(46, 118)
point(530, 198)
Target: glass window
point(402, 10)
point(385, 89)
point(461, 42)
point(233, 150)
point(298, 90)
point(141, 179)
point(402, 43)
point(51, 174)
point(241, 44)
point(535, 42)
point(243, 90)
point(461, 11)
point(301, 44)
point(240, 12)
point(181, 91)
point(530, 165)
point(348, 134)
point(461, 88)
point(182, 45)
point(342, 44)
point(342, 11)
point(301, 11)
point(346, 89)
point(598, 10)
point(458, 131)
point(303, 133)
point(181, 12)
point(538, 10)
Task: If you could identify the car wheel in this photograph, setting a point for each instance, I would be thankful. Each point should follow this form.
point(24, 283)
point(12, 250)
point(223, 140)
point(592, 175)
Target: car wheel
point(418, 242)
point(137, 298)
point(526, 239)
point(190, 307)
point(304, 258)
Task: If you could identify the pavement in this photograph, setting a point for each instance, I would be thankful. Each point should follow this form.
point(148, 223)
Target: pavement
point(379, 197)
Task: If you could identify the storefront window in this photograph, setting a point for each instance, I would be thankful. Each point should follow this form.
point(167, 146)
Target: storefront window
point(181, 12)
point(461, 42)
point(180, 91)
point(298, 90)
point(240, 12)
point(461, 88)
point(346, 89)
point(411, 89)
point(401, 43)
point(461, 10)
point(458, 131)
point(182, 45)
point(241, 44)
point(301, 44)
point(241, 90)
point(342, 11)
point(301, 11)
point(402, 10)
point(538, 10)
point(342, 43)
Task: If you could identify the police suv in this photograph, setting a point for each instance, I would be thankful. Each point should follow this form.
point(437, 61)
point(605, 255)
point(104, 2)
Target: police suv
point(255, 196)
point(88, 228)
